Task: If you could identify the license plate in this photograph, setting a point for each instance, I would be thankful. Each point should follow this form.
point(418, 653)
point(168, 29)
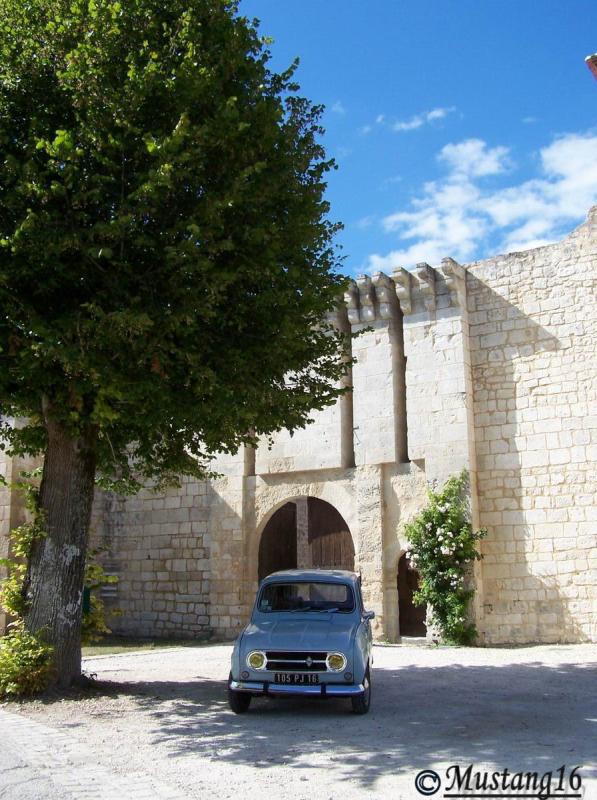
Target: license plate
point(296, 678)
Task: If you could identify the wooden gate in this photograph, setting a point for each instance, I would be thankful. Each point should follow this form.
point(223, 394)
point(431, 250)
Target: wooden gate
point(330, 541)
point(277, 548)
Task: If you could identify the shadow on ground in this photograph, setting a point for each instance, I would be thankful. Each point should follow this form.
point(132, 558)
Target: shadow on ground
point(523, 717)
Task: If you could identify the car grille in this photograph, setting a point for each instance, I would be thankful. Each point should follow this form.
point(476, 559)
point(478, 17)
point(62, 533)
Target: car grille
point(295, 661)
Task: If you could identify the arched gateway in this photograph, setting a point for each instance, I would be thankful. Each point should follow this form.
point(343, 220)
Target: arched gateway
point(306, 532)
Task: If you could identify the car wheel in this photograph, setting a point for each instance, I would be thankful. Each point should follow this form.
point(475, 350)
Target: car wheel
point(239, 702)
point(361, 703)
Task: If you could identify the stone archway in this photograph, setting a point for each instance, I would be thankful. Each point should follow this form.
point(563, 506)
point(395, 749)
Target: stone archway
point(411, 617)
point(307, 533)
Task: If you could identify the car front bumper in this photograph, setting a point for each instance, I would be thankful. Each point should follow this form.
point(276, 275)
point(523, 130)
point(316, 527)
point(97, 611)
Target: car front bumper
point(315, 690)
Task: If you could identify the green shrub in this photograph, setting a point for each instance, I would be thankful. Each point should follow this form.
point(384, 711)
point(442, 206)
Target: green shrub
point(443, 547)
point(25, 662)
point(94, 626)
point(12, 598)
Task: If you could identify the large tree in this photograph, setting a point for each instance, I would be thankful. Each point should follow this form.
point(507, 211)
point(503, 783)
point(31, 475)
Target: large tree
point(166, 260)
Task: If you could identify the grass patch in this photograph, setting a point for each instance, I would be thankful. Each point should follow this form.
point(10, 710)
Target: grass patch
point(113, 645)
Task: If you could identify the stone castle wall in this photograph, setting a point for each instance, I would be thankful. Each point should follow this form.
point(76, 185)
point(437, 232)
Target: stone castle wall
point(533, 342)
point(489, 367)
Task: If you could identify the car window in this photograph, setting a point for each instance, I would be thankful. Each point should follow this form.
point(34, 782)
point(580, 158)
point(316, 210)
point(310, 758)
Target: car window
point(311, 596)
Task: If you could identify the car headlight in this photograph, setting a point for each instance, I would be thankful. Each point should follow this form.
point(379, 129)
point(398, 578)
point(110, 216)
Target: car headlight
point(256, 659)
point(335, 662)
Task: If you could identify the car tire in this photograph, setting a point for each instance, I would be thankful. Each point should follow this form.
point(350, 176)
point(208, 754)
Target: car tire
point(361, 703)
point(239, 702)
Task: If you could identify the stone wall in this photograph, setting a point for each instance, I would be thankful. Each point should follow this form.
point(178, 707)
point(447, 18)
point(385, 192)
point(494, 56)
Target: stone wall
point(489, 367)
point(533, 346)
point(158, 545)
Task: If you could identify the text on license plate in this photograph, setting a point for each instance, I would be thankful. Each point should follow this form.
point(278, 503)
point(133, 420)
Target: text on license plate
point(296, 678)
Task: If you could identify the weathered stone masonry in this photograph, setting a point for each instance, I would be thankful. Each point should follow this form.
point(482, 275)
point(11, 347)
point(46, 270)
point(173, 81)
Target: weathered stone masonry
point(489, 367)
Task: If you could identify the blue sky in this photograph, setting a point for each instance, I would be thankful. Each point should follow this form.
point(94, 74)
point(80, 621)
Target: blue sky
point(460, 127)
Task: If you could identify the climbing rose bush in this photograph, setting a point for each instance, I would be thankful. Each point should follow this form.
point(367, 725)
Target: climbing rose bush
point(443, 547)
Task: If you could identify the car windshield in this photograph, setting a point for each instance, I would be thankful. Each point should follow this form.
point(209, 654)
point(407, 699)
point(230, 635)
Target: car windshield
point(307, 596)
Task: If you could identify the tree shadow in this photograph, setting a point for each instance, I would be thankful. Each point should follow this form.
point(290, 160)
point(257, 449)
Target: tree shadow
point(521, 716)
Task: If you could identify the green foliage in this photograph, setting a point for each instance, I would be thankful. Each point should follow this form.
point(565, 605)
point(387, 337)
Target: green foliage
point(12, 598)
point(25, 662)
point(166, 259)
point(94, 626)
point(442, 548)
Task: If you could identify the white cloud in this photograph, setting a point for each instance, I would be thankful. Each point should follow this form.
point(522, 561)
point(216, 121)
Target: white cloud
point(438, 113)
point(529, 120)
point(422, 119)
point(338, 108)
point(366, 129)
point(380, 119)
point(459, 215)
point(473, 157)
point(539, 207)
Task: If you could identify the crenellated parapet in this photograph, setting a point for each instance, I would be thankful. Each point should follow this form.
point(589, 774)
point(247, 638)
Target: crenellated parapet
point(403, 281)
point(385, 292)
point(367, 297)
point(338, 318)
point(454, 275)
point(425, 290)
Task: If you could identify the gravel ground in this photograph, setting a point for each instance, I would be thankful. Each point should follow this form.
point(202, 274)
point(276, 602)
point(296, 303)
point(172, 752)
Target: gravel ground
point(163, 715)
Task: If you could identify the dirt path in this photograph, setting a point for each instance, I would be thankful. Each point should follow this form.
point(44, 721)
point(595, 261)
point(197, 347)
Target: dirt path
point(165, 716)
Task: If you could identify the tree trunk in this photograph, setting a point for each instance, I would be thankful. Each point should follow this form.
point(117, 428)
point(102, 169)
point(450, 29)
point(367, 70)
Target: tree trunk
point(54, 584)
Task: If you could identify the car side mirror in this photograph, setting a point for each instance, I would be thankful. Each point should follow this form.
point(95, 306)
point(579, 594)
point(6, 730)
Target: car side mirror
point(369, 615)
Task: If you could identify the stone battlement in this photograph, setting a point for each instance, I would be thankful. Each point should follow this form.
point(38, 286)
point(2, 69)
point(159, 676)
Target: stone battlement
point(424, 290)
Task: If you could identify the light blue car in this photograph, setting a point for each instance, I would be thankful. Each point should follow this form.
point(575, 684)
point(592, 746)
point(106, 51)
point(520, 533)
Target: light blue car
point(308, 635)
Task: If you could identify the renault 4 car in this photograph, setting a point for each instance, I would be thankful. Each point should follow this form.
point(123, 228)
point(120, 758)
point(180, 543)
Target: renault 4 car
point(309, 635)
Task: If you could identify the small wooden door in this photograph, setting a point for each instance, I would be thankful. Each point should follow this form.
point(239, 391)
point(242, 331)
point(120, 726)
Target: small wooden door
point(411, 617)
point(330, 541)
point(277, 548)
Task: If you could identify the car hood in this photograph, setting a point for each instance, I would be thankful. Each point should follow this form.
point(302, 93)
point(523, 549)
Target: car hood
point(326, 632)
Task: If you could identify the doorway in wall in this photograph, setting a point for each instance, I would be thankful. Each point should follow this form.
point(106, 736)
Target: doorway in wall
point(277, 546)
point(305, 533)
point(411, 617)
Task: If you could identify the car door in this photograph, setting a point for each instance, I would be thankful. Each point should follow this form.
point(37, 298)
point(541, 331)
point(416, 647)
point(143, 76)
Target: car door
point(364, 634)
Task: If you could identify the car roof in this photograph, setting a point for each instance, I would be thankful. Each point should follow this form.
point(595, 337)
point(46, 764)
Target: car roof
point(330, 575)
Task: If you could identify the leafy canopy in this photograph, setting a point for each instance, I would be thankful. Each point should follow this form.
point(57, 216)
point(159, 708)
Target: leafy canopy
point(165, 254)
